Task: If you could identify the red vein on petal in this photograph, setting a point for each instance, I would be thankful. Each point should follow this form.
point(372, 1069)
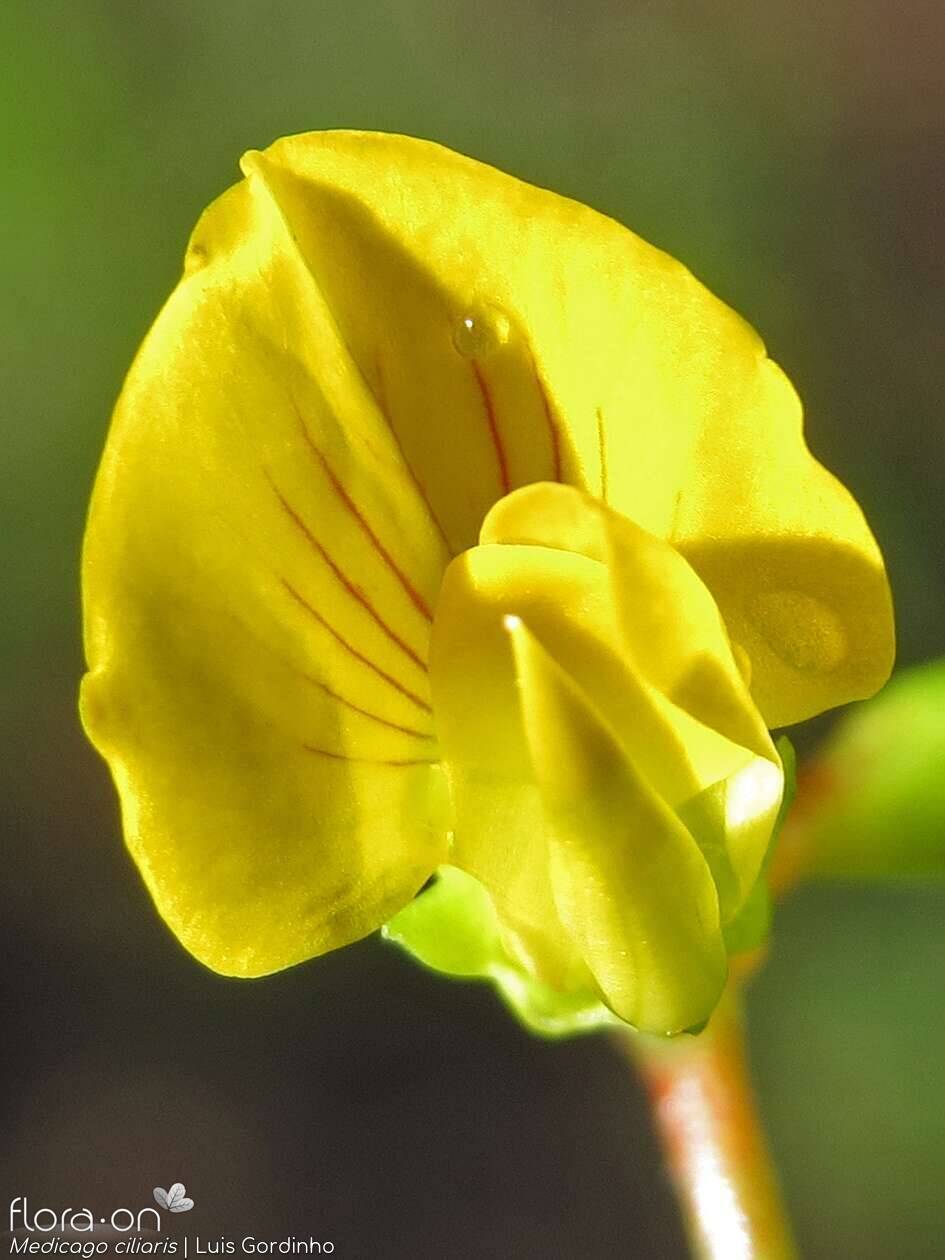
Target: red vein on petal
point(412, 593)
point(602, 448)
point(388, 678)
point(380, 397)
point(349, 704)
point(353, 590)
point(367, 761)
point(493, 427)
point(356, 708)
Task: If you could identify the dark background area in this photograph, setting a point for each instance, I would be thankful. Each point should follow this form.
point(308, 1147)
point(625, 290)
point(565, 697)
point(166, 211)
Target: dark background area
point(793, 155)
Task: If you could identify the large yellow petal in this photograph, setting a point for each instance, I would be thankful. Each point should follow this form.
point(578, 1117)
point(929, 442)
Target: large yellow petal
point(517, 336)
point(259, 575)
point(787, 555)
point(374, 342)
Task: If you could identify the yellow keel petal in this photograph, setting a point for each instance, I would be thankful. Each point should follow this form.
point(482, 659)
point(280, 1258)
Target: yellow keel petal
point(630, 885)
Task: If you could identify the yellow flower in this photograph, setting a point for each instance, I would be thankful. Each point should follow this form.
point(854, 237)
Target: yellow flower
point(446, 525)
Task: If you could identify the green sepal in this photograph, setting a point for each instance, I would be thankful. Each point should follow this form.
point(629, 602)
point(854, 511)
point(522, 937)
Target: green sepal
point(750, 927)
point(452, 928)
point(882, 777)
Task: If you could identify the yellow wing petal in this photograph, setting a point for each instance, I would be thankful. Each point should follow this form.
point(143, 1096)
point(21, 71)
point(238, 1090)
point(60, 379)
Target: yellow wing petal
point(693, 711)
point(259, 576)
point(559, 876)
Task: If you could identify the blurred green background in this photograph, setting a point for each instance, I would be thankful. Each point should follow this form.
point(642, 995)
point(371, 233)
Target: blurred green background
point(793, 155)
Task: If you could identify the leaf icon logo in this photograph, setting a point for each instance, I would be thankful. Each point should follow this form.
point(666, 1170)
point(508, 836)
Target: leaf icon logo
point(173, 1200)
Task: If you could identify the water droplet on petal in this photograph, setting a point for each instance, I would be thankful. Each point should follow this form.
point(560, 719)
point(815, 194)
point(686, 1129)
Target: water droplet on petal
point(481, 331)
point(801, 629)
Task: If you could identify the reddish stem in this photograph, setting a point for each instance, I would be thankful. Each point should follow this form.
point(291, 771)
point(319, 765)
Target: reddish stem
point(705, 1116)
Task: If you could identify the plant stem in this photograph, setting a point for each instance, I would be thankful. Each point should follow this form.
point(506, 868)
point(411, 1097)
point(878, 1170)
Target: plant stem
point(705, 1116)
